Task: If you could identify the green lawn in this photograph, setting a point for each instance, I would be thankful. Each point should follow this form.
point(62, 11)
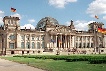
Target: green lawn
point(59, 65)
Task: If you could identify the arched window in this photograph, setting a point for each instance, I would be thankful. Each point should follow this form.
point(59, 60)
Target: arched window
point(12, 37)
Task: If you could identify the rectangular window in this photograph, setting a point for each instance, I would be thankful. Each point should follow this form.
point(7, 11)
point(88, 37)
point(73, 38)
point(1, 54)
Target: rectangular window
point(28, 45)
point(33, 45)
point(11, 45)
point(38, 45)
point(22, 37)
point(22, 45)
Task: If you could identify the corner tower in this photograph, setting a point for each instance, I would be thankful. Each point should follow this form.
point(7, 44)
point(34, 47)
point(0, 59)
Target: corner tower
point(94, 26)
point(11, 23)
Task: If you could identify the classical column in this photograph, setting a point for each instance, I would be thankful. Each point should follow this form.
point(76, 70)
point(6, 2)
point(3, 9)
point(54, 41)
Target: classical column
point(74, 38)
point(51, 43)
point(70, 42)
point(90, 41)
point(24, 41)
point(40, 42)
point(78, 42)
point(82, 41)
point(30, 41)
point(85, 41)
point(35, 42)
point(56, 41)
point(5, 43)
point(61, 41)
point(65, 41)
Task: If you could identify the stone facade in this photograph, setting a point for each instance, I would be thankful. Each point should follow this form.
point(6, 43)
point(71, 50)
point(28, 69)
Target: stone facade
point(50, 37)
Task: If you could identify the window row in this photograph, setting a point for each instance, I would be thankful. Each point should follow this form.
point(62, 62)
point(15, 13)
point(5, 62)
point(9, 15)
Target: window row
point(32, 38)
point(84, 38)
point(38, 45)
point(12, 22)
point(84, 45)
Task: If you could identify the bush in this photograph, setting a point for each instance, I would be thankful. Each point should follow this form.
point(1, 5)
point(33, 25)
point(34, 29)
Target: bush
point(97, 61)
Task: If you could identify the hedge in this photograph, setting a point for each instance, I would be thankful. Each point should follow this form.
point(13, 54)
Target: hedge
point(91, 59)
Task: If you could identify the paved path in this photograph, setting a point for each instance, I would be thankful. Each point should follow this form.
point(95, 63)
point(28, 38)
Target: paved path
point(6, 65)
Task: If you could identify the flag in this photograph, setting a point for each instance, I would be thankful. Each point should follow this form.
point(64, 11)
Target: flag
point(96, 17)
point(100, 30)
point(104, 31)
point(13, 10)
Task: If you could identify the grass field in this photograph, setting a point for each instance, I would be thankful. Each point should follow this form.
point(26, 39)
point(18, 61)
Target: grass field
point(59, 65)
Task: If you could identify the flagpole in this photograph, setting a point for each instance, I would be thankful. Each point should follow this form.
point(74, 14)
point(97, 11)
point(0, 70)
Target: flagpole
point(11, 12)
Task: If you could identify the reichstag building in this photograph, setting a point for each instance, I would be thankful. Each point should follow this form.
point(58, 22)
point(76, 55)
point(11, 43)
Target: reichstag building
point(50, 37)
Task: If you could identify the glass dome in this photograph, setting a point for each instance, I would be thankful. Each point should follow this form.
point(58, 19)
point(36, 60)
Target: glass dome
point(42, 23)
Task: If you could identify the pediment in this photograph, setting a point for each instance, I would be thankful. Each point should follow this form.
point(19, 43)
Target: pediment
point(62, 29)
